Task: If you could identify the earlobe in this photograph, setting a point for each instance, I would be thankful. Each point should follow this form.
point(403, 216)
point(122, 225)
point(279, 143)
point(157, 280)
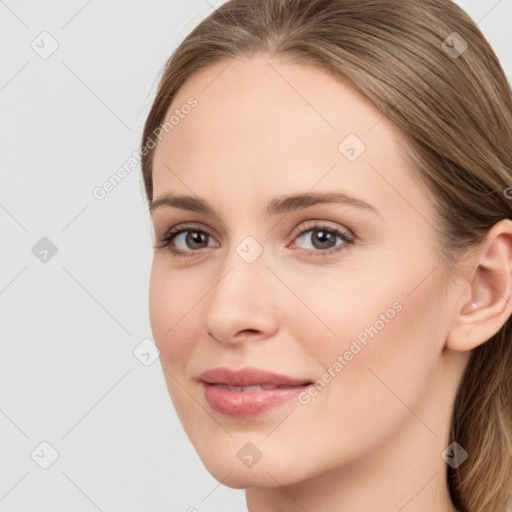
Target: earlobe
point(490, 288)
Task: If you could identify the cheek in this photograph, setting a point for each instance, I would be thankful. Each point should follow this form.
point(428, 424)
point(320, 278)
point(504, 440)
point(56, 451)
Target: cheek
point(389, 335)
point(385, 301)
point(171, 309)
point(172, 316)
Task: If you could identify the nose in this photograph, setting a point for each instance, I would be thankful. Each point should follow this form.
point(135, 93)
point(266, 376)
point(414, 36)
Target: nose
point(243, 303)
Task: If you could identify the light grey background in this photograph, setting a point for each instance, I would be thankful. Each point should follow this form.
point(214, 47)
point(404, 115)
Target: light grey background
point(69, 326)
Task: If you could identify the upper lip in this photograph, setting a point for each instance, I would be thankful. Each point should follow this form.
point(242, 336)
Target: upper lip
point(249, 377)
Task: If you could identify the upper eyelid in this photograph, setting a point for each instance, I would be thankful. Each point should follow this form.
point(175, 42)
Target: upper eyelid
point(319, 224)
point(312, 223)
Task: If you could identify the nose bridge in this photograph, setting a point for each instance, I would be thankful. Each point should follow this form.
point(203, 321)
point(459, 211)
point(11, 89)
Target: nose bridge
point(242, 273)
point(240, 299)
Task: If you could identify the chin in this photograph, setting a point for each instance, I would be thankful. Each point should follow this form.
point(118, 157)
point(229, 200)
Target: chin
point(242, 478)
point(227, 467)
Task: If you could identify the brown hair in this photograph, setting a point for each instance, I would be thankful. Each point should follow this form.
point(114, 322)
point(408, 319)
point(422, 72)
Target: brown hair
point(454, 107)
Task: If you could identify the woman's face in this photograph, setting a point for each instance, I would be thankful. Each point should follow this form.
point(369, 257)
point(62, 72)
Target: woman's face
point(345, 292)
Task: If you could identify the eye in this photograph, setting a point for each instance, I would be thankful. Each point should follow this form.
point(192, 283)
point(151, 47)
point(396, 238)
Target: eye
point(322, 239)
point(193, 238)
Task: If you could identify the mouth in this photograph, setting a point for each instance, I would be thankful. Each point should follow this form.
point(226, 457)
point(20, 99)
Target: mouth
point(256, 388)
point(249, 392)
point(250, 377)
point(249, 401)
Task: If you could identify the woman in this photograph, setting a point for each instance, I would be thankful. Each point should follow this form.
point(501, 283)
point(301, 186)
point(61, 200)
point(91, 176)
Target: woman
point(331, 286)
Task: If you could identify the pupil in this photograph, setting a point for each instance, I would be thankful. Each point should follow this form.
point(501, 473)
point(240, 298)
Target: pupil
point(324, 236)
point(195, 237)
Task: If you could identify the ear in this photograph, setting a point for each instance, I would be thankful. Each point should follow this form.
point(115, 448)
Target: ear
point(489, 287)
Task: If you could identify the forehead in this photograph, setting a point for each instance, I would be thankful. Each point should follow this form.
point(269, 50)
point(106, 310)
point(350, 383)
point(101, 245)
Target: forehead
point(266, 123)
point(247, 101)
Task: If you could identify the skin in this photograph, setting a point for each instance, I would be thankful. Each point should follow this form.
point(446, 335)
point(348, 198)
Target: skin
point(372, 438)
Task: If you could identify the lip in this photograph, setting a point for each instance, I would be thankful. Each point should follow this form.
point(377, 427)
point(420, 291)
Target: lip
point(248, 403)
point(249, 377)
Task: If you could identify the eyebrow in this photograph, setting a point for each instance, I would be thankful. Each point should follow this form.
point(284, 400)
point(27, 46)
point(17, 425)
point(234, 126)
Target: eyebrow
point(278, 205)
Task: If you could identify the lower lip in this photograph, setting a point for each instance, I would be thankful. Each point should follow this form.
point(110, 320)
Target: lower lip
point(243, 404)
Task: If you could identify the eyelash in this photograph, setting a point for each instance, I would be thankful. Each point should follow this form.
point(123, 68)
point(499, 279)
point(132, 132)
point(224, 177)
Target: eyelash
point(166, 241)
